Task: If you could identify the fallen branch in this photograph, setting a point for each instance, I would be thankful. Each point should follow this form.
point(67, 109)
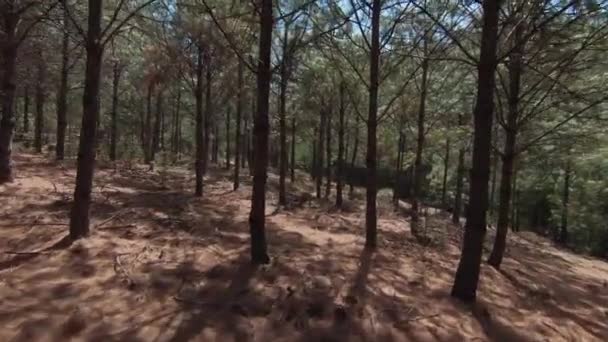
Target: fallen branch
point(117, 227)
point(111, 218)
point(27, 253)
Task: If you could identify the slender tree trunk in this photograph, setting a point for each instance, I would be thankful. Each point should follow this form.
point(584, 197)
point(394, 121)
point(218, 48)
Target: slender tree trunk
point(282, 117)
point(460, 170)
point(313, 166)
point(563, 233)
point(515, 195)
point(400, 147)
point(208, 111)
point(320, 152)
point(114, 115)
point(62, 92)
point(199, 167)
point(293, 149)
point(494, 169)
point(467, 274)
point(177, 122)
point(372, 122)
point(79, 215)
point(40, 99)
point(261, 130)
point(420, 143)
point(157, 125)
point(237, 136)
point(148, 125)
point(8, 57)
point(340, 168)
point(26, 109)
point(228, 156)
point(328, 148)
point(216, 143)
point(446, 168)
point(502, 226)
point(353, 159)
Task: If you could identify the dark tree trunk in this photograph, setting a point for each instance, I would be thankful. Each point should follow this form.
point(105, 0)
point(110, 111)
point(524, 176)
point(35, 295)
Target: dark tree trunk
point(199, 165)
point(208, 111)
point(148, 125)
point(494, 169)
point(8, 57)
point(460, 170)
point(40, 99)
point(420, 144)
point(563, 232)
point(216, 144)
point(114, 114)
point(340, 168)
point(228, 156)
point(293, 149)
point(320, 152)
point(398, 165)
point(467, 274)
point(502, 226)
point(26, 109)
point(282, 116)
point(372, 122)
point(313, 166)
point(328, 148)
point(79, 215)
point(353, 159)
point(177, 123)
point(446, 168)
point(515, 195)
point(62, 92)
point(261, 130)
point(157, 125)
point(237, 135)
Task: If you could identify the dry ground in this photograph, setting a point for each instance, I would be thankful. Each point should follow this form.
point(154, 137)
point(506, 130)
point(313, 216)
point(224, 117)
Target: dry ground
point(162, 265)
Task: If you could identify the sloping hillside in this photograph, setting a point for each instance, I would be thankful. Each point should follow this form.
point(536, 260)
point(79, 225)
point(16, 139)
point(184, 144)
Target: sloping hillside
point(162, 265)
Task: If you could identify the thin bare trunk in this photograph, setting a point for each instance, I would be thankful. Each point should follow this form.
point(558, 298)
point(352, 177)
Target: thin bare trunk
point(340, 169)
point(62, 92)
point(79, 215)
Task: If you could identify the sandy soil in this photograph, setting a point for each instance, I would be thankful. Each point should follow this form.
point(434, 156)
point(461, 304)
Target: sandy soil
point(162, 265)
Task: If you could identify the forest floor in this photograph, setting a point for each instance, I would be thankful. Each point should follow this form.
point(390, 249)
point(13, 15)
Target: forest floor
point(162, 265)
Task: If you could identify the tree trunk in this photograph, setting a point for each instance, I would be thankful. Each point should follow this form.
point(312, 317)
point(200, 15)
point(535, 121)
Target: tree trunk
point(446, 168)
point(79, 215)
point(563, 233)
point(372, 122)
point(494, 169)
point(148, 125)
point(282, 117)
point(502, 226)
point(320, 152)
point(199, 165)
point(62, 92)
point(353, 159)
point(215, 146)
point(420, 143)
point(340, 168)
point(26, 109)
point(328, 148)
point(457, 210)
point(40, 99)
point(237, 136)
point(114, 115)
point(208, 110)
point(261, 130)
point(467, 274)
point(400, 147)
point(228, 139)
point(8, 57)
point(313, 166)
point(177, 123)
point(293, 149)
point(157, 125)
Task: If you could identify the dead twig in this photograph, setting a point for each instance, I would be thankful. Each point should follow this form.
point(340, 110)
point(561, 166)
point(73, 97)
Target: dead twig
point(27, 253)
point(111, 218)
point(117, 227)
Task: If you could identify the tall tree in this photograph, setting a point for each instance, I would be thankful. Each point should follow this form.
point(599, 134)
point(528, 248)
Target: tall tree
point(467, 274)
point(261, 129)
